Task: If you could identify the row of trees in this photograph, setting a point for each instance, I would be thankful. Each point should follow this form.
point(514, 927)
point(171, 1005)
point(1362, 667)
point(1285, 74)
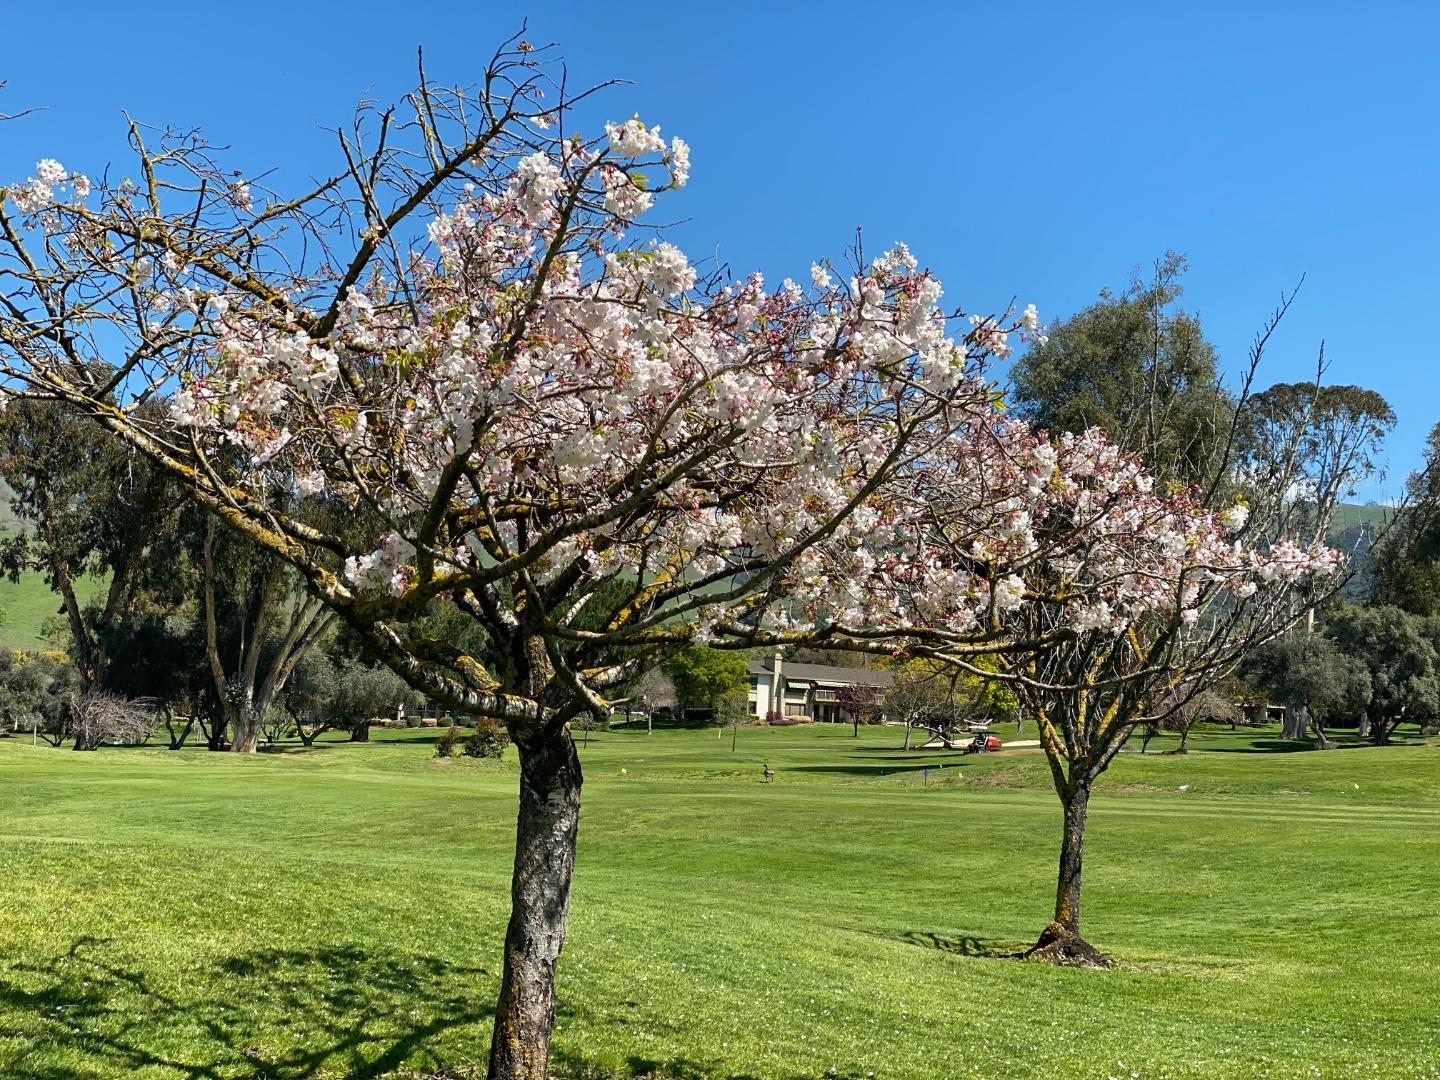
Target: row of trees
point(523, 457)
point(194, 621)
point(1374, 659)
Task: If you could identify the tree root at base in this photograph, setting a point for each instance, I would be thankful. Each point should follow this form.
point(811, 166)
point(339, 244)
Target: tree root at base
point(1057, 945)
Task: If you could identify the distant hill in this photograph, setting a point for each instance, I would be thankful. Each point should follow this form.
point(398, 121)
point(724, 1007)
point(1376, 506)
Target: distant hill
point(1355, 516)
point(29, 603)
point(1353, 531)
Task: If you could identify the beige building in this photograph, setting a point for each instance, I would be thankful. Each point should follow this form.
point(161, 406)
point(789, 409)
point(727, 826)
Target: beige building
point(807, 690)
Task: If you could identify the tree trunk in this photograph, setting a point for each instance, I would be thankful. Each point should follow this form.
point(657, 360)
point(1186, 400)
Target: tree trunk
point(1072, 857)
point(1061, 942)
point(177, 742)
point(214, 732)
point(909, 727)
point(360, 732)
point(247, 732)
point(545, 833)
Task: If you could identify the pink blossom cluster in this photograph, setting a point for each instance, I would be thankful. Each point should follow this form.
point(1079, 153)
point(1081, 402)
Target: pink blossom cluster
point(1001, 521)
point(42, 189)
point(577, 403)
point(533, 393)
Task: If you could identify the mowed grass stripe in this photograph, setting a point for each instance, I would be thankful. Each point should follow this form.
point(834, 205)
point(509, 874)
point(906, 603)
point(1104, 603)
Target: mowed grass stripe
point(339, 912)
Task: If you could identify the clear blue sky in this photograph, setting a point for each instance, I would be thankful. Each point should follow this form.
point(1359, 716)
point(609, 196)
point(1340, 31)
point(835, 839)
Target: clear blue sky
point(1035, 150)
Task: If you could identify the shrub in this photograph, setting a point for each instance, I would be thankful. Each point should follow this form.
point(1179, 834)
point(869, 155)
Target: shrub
point(789, 721)
point(488, 740)
point(446, 746)
point(412, 720)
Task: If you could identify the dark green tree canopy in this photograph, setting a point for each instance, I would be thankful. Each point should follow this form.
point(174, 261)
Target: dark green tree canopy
point(1310, 669)
point(1399, 650)
point(1405, 564)
point(95, 507)
point(1138, 366)
point(708, 675)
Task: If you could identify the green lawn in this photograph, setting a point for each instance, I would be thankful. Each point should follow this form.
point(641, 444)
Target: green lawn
point(338, 913)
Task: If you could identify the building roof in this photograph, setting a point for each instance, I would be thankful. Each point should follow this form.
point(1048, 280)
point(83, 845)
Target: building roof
point(824, 673)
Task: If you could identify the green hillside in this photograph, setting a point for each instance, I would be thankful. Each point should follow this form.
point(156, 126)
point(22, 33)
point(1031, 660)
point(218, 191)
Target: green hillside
point(9, 523)
point(28, 603)
point(1352, 515)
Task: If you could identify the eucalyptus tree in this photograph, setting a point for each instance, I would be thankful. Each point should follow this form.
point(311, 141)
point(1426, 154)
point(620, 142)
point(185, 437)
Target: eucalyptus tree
point(273, 623)
point(95, 507)
point(1138, 366)
point(1301, 448)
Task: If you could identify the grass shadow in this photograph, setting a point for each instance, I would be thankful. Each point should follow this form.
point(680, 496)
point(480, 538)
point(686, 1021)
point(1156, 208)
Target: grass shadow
point(278, 1014)
point(890, 769)
point(1262, 746)
point(956, 944)
point(568, 1066)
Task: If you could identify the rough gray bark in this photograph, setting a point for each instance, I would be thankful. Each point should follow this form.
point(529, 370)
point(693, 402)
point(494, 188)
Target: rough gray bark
point(246, 725)
point(545, 834)
point(1294, 724)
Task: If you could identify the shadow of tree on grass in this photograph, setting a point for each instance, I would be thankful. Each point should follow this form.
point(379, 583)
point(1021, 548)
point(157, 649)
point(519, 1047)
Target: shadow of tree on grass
point(1263, 746)
point(566, 1066)
point(278, 1014)
point(859, 770)
point(956, 944)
